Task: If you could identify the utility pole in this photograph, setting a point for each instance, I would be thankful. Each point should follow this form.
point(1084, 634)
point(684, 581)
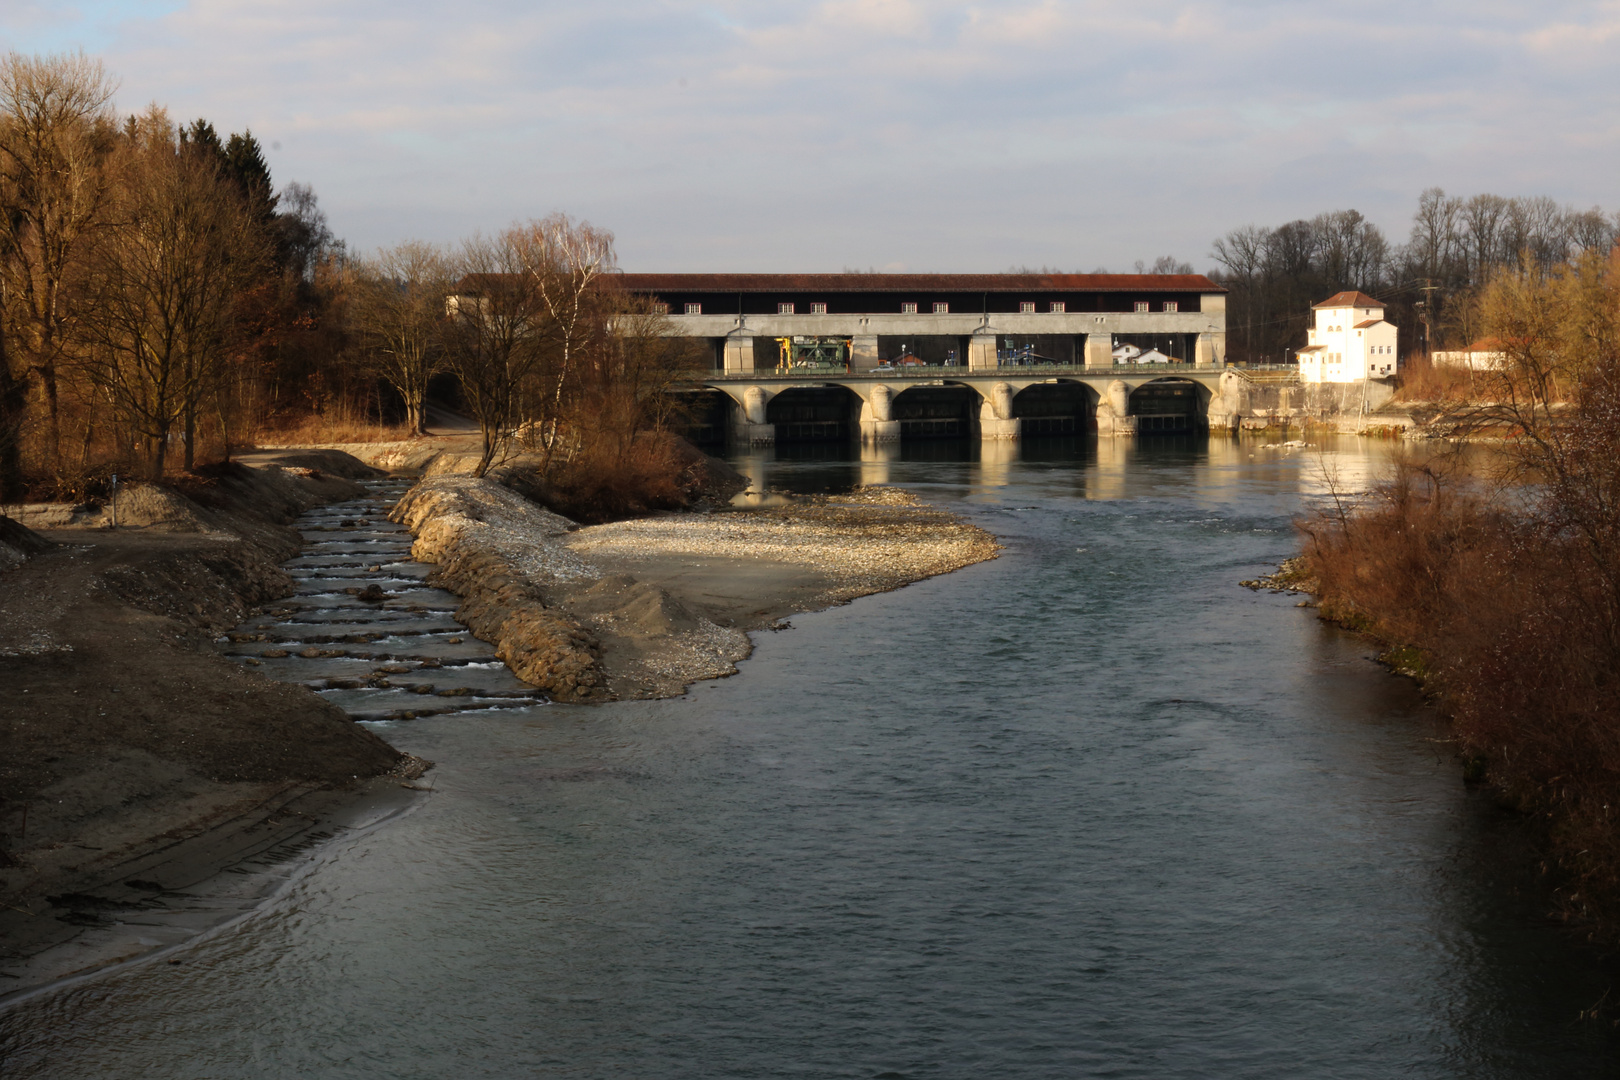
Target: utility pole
point(1429, 288)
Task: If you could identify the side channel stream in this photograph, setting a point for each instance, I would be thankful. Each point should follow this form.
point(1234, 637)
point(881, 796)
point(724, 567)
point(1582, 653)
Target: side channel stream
point(365, 631)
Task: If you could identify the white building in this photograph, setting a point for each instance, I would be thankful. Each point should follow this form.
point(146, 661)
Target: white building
point(1348, 341)
point(1486, 355)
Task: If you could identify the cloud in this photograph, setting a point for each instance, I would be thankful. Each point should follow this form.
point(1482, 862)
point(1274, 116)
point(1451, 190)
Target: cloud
point(945, 135)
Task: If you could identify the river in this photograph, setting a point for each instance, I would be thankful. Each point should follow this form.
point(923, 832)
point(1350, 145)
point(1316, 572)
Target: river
point(1090, 809)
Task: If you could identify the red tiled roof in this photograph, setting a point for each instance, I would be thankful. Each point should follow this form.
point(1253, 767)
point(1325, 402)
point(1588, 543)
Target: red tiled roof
point(917, 283)
point(1364, 323)
point(1349, 299)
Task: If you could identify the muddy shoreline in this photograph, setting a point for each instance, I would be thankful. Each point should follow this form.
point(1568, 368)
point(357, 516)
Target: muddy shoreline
point(137, 760)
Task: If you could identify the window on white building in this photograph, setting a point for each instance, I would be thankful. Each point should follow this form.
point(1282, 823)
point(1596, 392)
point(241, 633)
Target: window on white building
point(785, 308)
point(1058, 307)
point(1141, 306)
point(694, 309)
point(941, 308)
point(1026, 307)
point(908, 307)
point(661, 309)
point(818, 308)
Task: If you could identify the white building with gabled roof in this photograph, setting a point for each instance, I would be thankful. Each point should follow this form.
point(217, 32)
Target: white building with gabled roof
point(1349, 341)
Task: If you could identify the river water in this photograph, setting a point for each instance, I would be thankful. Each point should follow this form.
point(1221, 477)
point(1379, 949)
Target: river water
point(1090, 809)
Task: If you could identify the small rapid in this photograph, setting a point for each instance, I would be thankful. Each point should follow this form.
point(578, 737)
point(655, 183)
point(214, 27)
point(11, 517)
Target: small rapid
point(365, 630)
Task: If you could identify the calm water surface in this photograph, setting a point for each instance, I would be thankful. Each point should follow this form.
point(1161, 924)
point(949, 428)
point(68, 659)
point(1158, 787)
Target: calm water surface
point(1090, 809)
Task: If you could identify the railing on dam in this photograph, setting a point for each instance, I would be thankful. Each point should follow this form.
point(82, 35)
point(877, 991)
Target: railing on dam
point(946, 371)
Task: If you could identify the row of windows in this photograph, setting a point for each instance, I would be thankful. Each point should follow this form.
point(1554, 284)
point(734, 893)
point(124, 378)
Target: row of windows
point(909, 307)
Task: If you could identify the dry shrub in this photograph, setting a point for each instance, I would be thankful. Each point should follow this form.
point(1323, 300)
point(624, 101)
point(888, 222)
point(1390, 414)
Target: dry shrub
point(341, 423)
point(1507, 617)
point(605, 481)
point(1424, 380)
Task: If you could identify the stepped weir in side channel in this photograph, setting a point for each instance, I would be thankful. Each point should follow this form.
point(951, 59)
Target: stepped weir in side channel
point(365, 630)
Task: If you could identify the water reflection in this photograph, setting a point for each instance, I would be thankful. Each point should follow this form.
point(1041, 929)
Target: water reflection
point(1111, 468)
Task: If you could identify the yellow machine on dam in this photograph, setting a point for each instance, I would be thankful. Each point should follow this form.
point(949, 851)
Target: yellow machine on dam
point(807, 353)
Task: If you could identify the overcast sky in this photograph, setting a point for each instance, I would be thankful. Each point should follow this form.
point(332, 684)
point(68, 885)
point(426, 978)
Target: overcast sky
point(891, 134)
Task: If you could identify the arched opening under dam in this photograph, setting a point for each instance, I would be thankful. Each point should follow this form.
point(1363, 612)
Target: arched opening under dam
point(814, 414)
point(1168, 406)
point(1059, 407)
point(936, 412)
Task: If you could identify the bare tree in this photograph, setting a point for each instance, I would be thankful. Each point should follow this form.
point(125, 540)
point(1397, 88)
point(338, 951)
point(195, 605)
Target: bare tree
point(56, 130)
point(397, 310)
point(497, 322)
point(168, 280)
point(567, 259)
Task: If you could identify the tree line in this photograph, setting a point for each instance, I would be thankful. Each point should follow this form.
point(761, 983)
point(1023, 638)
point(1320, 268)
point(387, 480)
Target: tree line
point(161, 303)
point(1432, 283)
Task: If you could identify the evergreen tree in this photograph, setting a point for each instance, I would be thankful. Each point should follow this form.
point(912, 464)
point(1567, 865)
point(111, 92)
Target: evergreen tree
point(245, 164)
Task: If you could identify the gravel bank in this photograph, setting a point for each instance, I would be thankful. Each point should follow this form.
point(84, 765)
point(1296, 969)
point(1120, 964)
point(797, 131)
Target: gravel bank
point(645, 608)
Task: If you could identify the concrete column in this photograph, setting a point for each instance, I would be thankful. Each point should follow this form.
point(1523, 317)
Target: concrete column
point(982, 352)
point(878, 424)
point(1204, 351)
point(863, 352)
point(996, 420)
point(1112, 410)
point(739, 352)
point(751, 428)
point(1099, 350)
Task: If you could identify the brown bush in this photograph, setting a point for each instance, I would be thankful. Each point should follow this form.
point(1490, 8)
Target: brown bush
point(1424, 380)
point(1505, 614)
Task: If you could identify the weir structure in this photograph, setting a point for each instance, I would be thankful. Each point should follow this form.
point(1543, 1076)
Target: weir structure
point(811, 357)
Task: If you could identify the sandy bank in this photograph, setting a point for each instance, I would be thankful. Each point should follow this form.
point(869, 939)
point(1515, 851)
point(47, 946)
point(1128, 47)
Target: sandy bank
point(644, 608)
point(133, 751)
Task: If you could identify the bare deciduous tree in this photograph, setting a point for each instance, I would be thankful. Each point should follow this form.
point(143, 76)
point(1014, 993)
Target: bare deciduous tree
point(56, 131)
point(397, 310)
point(497, 322)
point(182, 251)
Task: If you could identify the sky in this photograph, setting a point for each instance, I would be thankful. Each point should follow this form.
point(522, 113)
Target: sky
point(893, 135)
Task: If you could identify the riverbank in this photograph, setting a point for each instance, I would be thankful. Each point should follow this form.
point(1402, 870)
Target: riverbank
point(137, 759)
point(646, 607)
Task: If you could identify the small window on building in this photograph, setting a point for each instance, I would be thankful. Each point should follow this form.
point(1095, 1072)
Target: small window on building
point(1059, 307)
point(661, 309)
point(1026, 307)
point(819, 307)
point(694, 309)
point(785, 308)
point(1142, 306)
point(1170, 305)
point(941, 308)
point(908, 307)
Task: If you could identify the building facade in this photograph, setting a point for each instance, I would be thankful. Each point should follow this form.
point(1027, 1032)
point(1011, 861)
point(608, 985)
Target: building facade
point(867, 322)
point(1349, 341)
